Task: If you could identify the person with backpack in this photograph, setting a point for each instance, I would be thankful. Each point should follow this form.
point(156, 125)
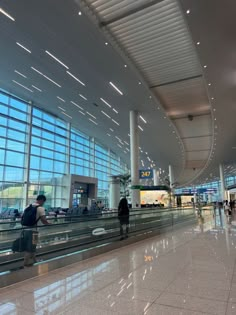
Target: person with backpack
point(123, 216)
point(34, 213)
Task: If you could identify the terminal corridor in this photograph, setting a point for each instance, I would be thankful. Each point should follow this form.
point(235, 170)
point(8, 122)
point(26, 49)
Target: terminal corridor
point(187, 271)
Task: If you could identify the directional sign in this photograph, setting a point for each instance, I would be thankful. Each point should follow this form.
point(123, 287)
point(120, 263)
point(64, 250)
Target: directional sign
point(145, 174)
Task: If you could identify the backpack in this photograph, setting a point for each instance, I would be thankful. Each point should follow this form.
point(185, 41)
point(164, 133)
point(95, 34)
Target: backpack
point(29, 216)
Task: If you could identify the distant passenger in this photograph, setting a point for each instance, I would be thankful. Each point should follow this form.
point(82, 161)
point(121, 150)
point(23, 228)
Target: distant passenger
point(31, 216)
point(123, 215)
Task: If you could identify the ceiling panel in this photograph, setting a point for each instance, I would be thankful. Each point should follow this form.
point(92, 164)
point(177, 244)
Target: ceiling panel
point(157, 41)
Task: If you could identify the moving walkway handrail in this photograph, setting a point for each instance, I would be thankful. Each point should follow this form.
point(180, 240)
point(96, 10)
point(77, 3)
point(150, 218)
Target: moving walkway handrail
point(84, 219)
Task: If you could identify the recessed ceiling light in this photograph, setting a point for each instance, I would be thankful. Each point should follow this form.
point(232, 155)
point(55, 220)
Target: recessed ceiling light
point(140, 128)
point(105, 114)
point(188, 11)
point(139, 83)
point(164, 117)
point(66, 115)
point(143, 119)
point(36, 88)
point(115, 122)
point(61, 99)
point(76, 105)
point(26, 49)
point(46, 77)
point(212, 98)
point(63, 109)
point(83, 97)
point(20, 74)
point(115, 110)
point(205, 66)
point(214, 109)
point(79, 13)
point(22, 86)
point(74, 77)
point(198, 43)
point(106, 43)
point(7, 14)
point(150, 96)
point(105, 102)
point(94, 122)
point(55, 58)
point(209, 84)
point(215, 118)
point(91, 115)
point(125, 66)
point(116, 88)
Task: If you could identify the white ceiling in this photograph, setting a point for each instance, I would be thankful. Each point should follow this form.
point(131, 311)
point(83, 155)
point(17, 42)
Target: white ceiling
point(55, 26)
point(157, 41)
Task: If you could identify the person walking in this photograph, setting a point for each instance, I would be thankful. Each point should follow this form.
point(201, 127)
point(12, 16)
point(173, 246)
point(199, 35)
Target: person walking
point(34, 213)
point(123, 215)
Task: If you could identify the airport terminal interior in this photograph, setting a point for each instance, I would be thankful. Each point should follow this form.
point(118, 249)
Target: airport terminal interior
point(117, 157)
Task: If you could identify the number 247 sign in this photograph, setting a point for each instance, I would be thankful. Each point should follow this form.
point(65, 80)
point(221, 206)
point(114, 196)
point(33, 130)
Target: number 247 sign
point(143, 174)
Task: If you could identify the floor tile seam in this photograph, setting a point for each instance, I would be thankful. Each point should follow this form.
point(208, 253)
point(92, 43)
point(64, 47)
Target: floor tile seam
point(200, 297)
point(170, 283)
point(231, 284)
point(191, 309)
point(181, 308)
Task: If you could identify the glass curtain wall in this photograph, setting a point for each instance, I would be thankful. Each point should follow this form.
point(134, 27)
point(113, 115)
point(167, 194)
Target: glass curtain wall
point(37, 149)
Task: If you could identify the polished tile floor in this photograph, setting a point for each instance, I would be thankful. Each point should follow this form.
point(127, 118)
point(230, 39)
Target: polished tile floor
point(188, 271)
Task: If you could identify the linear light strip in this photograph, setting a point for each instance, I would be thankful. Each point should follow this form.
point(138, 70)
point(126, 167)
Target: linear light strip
point(7, 14)
point(91, 115)
point(23, 47)
point(115, 122)
point(36, 88)
point(55, 58)
point(66, 115)
point(93, 121)
point(111, 129)
point(115, 110)
point(140, 128)
point(105, 102)
point(76, 105)
point(61, 99)
point(116, 88)
point(74, 77)
point(63, 109)
point(46, 77)
point(83, 97)
point(105, 114)
point(24, 76)
point(143, 119)
point(23, 86)
point(82, 112)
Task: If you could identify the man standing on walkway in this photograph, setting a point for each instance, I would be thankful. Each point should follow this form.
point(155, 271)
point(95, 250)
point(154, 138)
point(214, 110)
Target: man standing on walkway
point(31, 216)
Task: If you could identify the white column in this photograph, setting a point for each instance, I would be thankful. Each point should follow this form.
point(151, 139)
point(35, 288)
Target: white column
point(156, 177)
point(27, 161)
point(114, 192)
point(134, 158)
point(222, 182)
point(171, 176)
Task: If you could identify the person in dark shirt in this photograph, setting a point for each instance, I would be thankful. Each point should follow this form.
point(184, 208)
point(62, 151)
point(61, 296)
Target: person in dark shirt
point(123, 215)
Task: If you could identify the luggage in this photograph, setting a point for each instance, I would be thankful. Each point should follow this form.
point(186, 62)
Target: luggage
point(29, 217)
point(18, 245)
point(27, 241)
